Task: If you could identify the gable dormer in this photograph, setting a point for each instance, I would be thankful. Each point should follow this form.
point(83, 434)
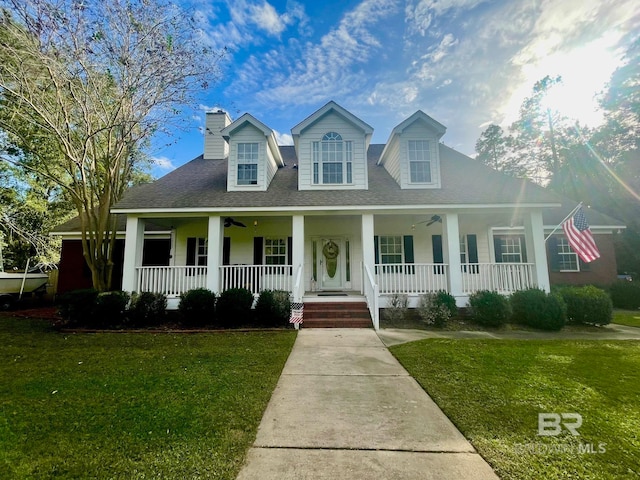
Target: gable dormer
point(254, 156)
point(412, 155)
point(331, 146)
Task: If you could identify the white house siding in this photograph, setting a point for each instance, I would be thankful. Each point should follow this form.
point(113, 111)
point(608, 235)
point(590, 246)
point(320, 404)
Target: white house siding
point(392, 159)
point(215, 146)
point(332, 122)
point(271, 167)
point(247, 134)
point(241, 249)
point(184, 229)
point(419, 131)
point(474, 225)
point(401, 225)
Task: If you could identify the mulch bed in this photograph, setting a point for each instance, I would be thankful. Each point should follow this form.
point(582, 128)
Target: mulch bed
point(51, 314)
point(45, 313)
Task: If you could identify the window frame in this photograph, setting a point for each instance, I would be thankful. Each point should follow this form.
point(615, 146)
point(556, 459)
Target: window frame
point(504, 243)
point(243, 161)
point(565, 250)
point(382, 256)
point(423, 160)
point(202, 251)
point(464, 255)
point(332, 160)
point(282, 252)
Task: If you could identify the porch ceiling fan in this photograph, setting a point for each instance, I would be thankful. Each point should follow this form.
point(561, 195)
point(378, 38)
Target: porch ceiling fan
point(431, 221)
point(229, 222)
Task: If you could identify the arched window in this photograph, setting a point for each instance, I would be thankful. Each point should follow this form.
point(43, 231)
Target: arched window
point(332, 160)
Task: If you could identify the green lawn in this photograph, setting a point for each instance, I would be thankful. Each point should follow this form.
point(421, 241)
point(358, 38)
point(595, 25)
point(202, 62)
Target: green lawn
point(493, 391)
point(132, 405)
point(630, 318)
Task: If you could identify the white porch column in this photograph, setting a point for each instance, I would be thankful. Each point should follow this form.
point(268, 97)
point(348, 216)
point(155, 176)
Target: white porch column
point(297, 255)
point(215, 238)
point(536, 251)
point(368, 244)
point(451, 252)
point(133, 245)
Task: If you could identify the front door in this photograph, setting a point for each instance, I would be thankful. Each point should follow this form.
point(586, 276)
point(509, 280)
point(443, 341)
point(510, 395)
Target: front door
point(331, 263)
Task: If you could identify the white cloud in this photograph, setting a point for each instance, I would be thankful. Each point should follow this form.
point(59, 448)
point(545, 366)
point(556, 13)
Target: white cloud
point(283, 138)
point(421, 15)
point(308, 73)
point(265, 17)
point(163, 163)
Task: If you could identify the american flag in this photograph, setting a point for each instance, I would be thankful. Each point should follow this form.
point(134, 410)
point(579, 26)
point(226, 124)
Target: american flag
point(578, 233)
point(297, 312)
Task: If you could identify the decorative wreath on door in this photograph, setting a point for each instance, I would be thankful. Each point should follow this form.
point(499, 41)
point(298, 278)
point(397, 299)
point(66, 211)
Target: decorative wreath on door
point(331, 252)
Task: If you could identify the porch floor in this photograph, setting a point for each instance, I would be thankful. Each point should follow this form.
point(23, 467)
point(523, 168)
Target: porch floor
point(333, 296)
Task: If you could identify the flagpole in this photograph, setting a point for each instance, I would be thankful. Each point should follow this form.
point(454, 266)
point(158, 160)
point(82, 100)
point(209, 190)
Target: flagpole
point(564, 220)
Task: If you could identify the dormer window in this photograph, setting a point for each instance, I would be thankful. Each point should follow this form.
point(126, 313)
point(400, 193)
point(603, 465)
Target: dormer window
point(332, 160)
point(247, 163)
point(419, 161)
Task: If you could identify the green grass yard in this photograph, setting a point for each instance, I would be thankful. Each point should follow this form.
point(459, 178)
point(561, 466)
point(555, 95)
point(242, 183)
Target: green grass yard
point(132, 406)
point(493, 390)
point(629, 318)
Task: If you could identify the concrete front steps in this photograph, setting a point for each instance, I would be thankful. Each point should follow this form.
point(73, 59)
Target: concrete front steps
point(336, 314)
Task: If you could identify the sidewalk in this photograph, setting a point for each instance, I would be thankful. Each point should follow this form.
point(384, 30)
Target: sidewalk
point(395, 336)
point(344, 408)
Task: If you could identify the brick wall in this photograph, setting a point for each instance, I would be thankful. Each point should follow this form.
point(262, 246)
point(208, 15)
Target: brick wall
point(602, 271)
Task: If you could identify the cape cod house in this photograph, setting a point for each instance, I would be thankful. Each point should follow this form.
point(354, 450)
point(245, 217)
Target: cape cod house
point(334, 215)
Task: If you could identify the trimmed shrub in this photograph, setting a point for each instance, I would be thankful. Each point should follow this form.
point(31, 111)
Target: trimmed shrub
point(449, 301)
point(198, 307)
point(234, 307)
point(397, 307)
point(273, 308)
point(147, 309)
point(436, 308)
point(535, 308)
point(78, 306)
point(588, 305)
point(110, 309)
point(489, 308)
point(625, 295)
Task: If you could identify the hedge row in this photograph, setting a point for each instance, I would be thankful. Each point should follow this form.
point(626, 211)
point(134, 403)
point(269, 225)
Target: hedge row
point(538, 309)
point(197, 308)
point(625, 295)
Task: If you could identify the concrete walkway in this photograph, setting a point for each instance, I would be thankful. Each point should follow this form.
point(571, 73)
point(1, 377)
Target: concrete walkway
point(344, 408)
point(395, 336)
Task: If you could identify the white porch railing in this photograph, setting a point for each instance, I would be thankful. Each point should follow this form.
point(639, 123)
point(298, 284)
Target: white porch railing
point(412, 278)
point(257, 277)
point(372, 294)
point(501, 277)
point(409, 278)
point(170, 280)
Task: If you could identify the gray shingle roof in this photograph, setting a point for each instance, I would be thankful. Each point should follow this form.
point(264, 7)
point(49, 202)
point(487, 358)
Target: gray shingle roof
point(74, 226)
point(203, 184)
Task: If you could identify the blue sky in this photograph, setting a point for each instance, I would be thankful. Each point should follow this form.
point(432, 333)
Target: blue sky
point(466, 63)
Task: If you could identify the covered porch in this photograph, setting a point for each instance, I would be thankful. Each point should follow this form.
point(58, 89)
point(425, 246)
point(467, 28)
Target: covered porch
point(377, 254)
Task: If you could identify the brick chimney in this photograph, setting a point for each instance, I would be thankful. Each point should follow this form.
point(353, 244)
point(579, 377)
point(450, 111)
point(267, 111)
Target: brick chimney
point(215, 147)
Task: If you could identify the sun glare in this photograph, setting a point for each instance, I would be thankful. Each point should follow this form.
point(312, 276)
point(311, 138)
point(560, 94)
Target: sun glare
point(585, 72)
